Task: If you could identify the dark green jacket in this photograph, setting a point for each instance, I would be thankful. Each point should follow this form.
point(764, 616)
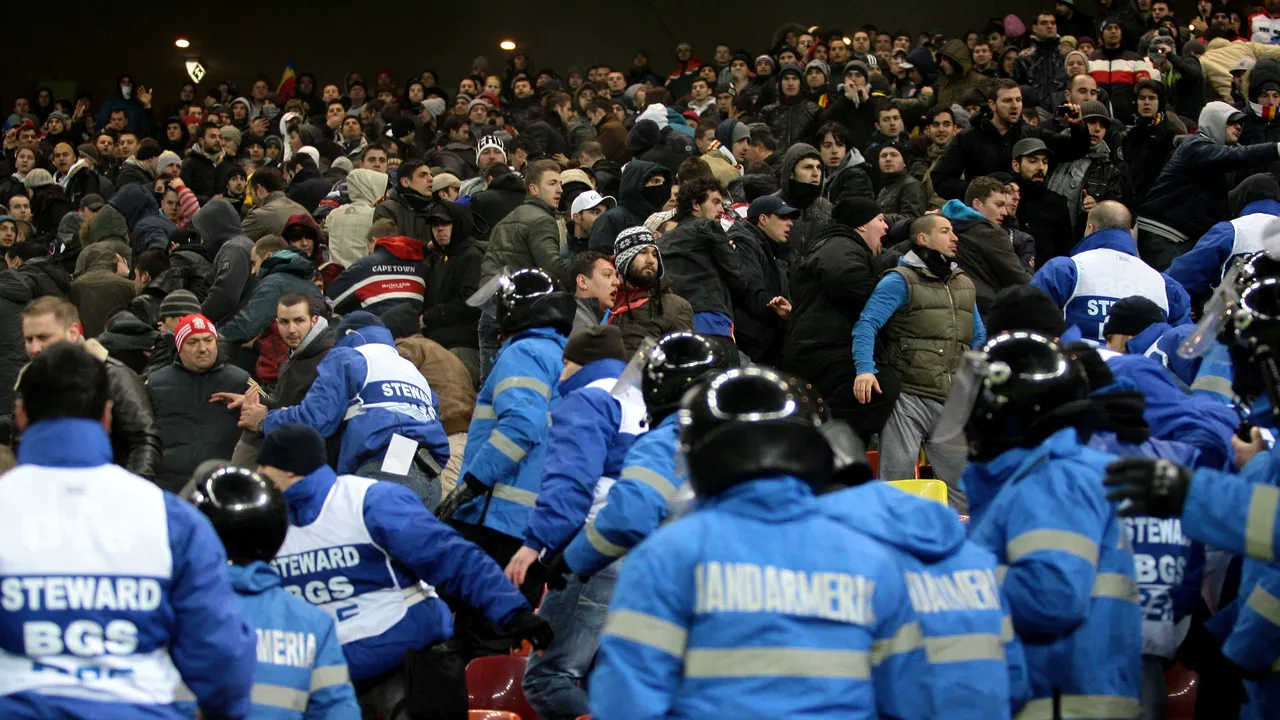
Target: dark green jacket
point(529, 237)
point(925, 340)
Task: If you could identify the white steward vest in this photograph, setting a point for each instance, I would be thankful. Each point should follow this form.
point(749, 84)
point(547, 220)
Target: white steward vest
point(392, 383)
point(1249, 231)
point(1105, 277)
point(632, 423)
point(85, 573)
point(334, 564)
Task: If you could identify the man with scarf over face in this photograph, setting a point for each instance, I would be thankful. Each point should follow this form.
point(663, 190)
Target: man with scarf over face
point(927, 309)
point(802, 190)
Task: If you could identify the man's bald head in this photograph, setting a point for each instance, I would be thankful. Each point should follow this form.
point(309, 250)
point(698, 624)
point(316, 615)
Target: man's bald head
point(1109, 215)
point(923, 225)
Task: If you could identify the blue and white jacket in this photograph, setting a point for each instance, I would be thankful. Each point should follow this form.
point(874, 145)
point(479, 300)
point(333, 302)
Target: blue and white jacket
point(301, 673)
point(506, 443)
point(637, 503)
point(591, 432)
point(979, 669)
point(364, 382)
point(362, 550)
point(1069, 577)
point(759, 605)
point(1102, 270)
point(114, 592)
point(1203, 266)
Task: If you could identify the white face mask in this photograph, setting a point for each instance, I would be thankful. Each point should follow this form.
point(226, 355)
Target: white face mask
point(126, 91)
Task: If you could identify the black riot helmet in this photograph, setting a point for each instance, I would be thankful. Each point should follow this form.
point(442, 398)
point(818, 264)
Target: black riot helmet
point(1017, 391)
point(529, 298)
point(246, 510)
point(676, 362)
point(1252, 336)
point(751, 422)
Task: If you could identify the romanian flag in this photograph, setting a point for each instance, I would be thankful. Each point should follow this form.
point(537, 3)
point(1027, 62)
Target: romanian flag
point(288, 84)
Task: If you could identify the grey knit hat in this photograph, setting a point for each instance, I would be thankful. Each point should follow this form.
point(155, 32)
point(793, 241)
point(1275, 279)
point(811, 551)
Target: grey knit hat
point(179, 303)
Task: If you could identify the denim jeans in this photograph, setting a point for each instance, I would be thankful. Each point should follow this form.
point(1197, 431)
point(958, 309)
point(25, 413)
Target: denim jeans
point(487, 334)
point(427, 488)
point(576, 614)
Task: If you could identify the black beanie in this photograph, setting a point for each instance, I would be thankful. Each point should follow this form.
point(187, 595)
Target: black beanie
point(294, 448)
point(597, 342)
point(1025, 307)
point(855, 212)
point(1131, 316)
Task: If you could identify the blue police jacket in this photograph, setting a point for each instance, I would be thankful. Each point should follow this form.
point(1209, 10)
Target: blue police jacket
point(411, 544)
point(1202, 267)
point(1103, 269)
point(979, 669)
point(364, 382)
point(591, 432)
point(114, 591)
point(636, 505)
point(301, 673)
point(758, 605)
point(1209, 375)
point(1173, 412)
point(1070, 575)
point(506, 443)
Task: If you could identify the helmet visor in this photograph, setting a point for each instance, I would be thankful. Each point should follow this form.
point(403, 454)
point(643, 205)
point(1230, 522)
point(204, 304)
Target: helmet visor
point(1216, 312)
point(966, 383)
point(486, 298)
point(630, 379)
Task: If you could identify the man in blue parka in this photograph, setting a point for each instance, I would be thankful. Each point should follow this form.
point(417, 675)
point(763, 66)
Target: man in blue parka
point(368, 553)
point(979, 669)
point(758, 605)
point(1103, 269)
point(1253, 205)
point(1038, 503)
point(365, 389)
point(506, 443)
point(301, 673)
point(640, 500)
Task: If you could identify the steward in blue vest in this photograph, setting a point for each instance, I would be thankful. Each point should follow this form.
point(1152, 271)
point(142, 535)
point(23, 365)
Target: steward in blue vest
point(301, 672)
point(1103, 269)
point(1254, 206)
point(1038, 503)
point(364, 383)
point(757, 604)
point(114, 592)
point(364, 552)
point(639, 501)
point(506, 443)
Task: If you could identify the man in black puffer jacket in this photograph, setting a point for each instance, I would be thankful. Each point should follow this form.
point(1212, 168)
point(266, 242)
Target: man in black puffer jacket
point(446, 317)
point(1148, 145)
point(506, 192)
point(645, 188)
point(793, 118)
point(761, 242)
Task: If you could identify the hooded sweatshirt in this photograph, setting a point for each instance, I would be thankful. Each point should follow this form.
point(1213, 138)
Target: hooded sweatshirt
point(218, 225)
point(635, 203)
point(815, 210)
point(979, 668)
point(348, 226)
point(392, 275)
point(147, 227)
point(286, 271)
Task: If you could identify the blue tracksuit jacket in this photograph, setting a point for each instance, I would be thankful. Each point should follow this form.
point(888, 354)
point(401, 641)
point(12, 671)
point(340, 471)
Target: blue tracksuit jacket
point(506, 443)
point(1070, 575)
point(1175, 414)
point(591, 432)
point(978, 665)
point(420, 548)
point(1202, 267)
point(757, 605)
point(637, 504)
point(301, 673)
point(1103, 269)
point(364, 382)
point(113, 590)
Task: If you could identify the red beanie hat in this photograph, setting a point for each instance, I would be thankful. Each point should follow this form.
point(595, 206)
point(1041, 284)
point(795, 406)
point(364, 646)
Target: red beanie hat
point(191, 325)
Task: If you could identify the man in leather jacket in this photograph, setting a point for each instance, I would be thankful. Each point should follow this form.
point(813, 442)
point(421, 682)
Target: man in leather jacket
point(135, 439)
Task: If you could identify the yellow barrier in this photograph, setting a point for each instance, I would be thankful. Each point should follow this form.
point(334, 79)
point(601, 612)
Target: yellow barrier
point(935, 490)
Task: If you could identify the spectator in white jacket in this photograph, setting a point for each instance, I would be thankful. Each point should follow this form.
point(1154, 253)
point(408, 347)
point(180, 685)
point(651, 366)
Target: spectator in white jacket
point(348, 226)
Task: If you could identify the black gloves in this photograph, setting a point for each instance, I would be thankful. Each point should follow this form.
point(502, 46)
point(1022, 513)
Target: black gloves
point(527, 626)
point(473, 484)
point(1154, 487)
point(557, 573)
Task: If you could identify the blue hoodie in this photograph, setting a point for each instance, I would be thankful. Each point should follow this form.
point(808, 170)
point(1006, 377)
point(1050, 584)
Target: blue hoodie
point(301, 672)
point(1112, 272)
point(148, 229)
point(978, 664)
point(364, 382)
point(1204, 265)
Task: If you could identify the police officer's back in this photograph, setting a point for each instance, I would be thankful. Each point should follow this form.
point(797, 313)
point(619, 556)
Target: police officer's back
point(114, 591)
point(757, 605)
point(301, 671)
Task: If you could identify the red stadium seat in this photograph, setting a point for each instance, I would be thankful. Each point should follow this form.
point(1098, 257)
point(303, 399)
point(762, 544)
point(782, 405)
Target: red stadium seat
point(1182, 684)
point(873, 459)
point(493, 683)
point(491, 715)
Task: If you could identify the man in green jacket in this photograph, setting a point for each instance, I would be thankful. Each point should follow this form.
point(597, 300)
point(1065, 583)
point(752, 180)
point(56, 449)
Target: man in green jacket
point(528, 237)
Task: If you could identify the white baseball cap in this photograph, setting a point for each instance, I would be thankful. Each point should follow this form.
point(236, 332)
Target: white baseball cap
point(588, 200)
